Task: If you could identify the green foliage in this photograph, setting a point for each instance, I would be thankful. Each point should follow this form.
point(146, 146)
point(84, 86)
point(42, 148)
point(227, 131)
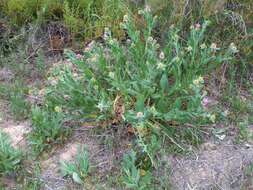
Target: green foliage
point(245, 133)
point(78, 170)
point(149, 145)
point(159, 87)
point(41, 64)
point(4, 90)
point(133, 177)
point(112, 13)
point(15, 93)
point(231, 24)
point(10, 158)
point(84, 18)
point(52, 9)
point(47, 129)
point(70, 19)
point(31, 177)
point(24, 11)
point(249, 170)
point(87, 18)
point(162, 85)
point(19, 106)
point(21, 11)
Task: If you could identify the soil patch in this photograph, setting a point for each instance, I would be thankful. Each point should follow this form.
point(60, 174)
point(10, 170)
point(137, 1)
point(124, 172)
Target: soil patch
point(214, 166)
point(100, 157)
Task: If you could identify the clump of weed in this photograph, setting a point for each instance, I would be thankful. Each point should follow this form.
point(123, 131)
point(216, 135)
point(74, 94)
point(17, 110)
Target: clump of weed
point(10, 158)
point(41, 64)
point(19, 105)
point(79, 169)
point(31, 179)
point(15, 93)
point(47, 129)
point(134, 177)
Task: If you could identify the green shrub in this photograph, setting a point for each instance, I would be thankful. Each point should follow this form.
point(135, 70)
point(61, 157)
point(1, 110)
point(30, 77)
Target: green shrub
point(87, 18)
point(47, 129)
point(112, 13)
point(52, 9)
point(84, 18)
point(21, 11)
point(24, 11)
point(10, 158)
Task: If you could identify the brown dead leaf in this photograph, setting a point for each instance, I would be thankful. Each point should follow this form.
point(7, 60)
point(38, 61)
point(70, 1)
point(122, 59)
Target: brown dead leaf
point(119, 109)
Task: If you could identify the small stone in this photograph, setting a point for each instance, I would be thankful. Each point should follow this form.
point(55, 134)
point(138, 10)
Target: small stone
point(209, 146)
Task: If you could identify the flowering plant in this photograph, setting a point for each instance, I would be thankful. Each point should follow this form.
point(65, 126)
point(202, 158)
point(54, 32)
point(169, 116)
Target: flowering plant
point(140, 82)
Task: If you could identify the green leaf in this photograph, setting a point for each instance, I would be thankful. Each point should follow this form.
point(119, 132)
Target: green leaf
point(162, 106)
point(140, 103)
point(164, 83)
point(76, 178)
point(178, 103)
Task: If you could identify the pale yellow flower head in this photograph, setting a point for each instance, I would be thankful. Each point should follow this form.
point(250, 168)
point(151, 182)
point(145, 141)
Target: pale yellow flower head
point(214, 47)
point(139, 115)
point(161, 66)
point(150, 39)
point(111, 75)
point(126, 18)
point(233, 48)
point(212, 118)
point(198, 81)
point(189, 49)
point(161, 56)
point(203, 46)
point(147, 9)
point(57, 109)
point(140, 12)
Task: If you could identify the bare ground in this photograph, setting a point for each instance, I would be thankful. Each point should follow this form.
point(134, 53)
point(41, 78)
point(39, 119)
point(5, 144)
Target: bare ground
point(100, 157)
point(17, 133)
point(214, 166)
